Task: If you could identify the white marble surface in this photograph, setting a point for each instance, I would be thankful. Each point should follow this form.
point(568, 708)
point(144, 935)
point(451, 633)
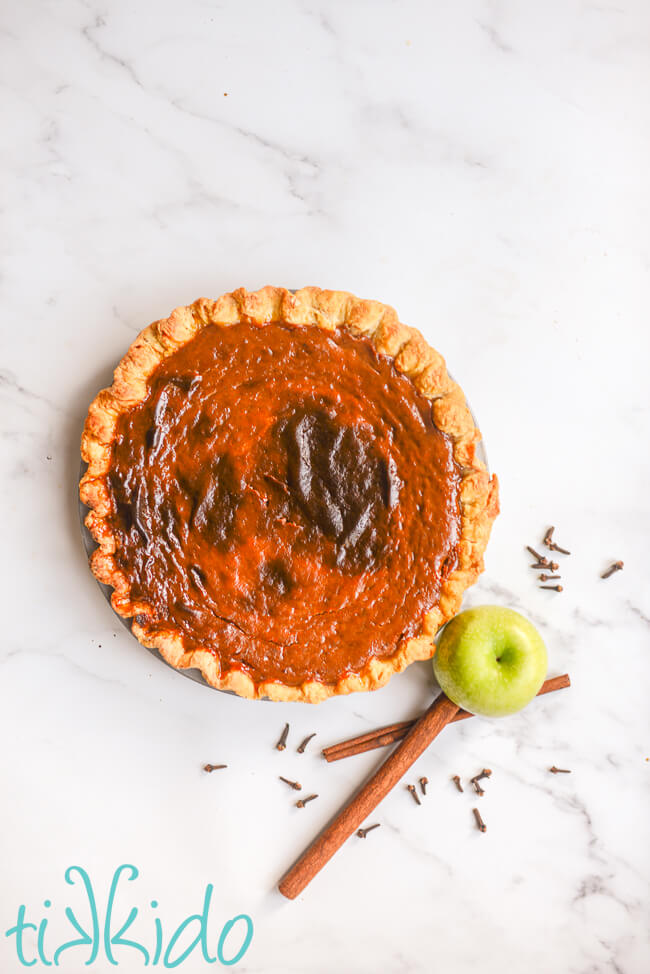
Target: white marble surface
point(483, 167)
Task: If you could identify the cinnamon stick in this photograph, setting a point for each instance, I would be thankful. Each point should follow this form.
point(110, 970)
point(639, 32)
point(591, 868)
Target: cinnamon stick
point(429, 725)
point(396, 732)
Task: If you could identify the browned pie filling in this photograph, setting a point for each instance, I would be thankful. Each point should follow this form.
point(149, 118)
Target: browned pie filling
point(283, 498)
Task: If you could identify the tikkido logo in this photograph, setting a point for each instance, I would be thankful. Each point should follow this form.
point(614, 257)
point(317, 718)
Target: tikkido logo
point(96, 941)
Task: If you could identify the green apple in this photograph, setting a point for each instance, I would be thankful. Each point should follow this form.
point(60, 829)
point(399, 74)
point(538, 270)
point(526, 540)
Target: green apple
point(490, 660)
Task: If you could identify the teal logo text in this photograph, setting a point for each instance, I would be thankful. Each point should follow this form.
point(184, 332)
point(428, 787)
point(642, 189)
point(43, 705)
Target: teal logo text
point(104, 938)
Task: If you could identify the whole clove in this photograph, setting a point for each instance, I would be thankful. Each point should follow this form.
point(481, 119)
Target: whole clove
point(485, 773)
point(480, 824)
point(282, 743)
point(362, 833)
point(214, 767)
point(556, 547)
point(303, 801)
point(536, 554)
point(416, 797)
point(301, 747)
point(551, 545)
point(548, 536)
point(292, 784)
point(614, 567)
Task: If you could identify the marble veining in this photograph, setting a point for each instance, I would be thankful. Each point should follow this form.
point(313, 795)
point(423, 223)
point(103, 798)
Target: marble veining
point(478, 165)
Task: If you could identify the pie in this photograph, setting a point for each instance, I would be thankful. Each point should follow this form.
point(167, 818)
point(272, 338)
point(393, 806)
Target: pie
point(285, 492)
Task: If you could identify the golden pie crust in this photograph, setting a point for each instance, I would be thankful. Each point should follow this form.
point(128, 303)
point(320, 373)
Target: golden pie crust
point(331, 311)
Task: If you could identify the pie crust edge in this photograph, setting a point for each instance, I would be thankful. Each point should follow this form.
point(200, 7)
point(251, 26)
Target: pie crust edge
point(329, 310)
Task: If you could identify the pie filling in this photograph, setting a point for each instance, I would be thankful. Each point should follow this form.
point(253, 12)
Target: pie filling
point(283, 498)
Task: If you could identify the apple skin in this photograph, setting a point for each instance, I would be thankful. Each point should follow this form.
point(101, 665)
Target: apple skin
point(490, 660)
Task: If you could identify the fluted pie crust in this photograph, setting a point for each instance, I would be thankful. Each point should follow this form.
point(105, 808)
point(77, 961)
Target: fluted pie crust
point(334, 312)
